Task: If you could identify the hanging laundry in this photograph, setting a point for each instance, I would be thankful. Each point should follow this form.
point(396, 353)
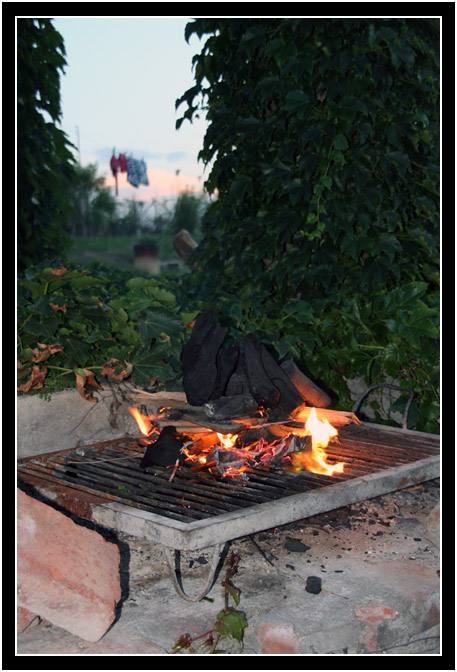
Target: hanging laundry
point(144, 173)
point(123, 163)
point(132, 172)
point(137, 172)
point(115, 167)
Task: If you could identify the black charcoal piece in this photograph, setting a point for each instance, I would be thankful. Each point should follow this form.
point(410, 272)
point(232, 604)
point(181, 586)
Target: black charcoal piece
point(313, 584)
point(198, 358)
point(165, 450)
point(268, 383)
point(238, 383)
point(295, 545)
point(260, 385)
point(225, 408)
point(226, 361)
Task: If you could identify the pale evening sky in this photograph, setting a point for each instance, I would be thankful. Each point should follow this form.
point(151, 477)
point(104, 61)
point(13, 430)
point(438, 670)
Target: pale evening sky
point(122, 79)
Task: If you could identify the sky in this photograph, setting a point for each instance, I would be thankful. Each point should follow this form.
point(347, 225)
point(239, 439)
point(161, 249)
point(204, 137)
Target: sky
point(122, 79)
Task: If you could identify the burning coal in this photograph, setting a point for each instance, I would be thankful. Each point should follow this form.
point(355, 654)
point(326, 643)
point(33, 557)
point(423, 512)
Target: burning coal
point(228, 455)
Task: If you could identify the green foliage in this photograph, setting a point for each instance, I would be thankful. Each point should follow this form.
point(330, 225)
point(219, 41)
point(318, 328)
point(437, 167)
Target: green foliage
point(44, 160)
point(94, 206)
point(187, 212)
point(230, 622)
point(74, 320)
point(323, 139)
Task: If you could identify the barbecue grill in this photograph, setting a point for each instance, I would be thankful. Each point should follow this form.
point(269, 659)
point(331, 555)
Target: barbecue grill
point(103, 482)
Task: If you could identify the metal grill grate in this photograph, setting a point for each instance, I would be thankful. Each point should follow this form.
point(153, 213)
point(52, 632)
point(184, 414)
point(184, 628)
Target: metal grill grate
point(196, 510)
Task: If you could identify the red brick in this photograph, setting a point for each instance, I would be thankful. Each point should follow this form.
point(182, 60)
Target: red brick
point(373, 615)
point(278, 638)
point(67, 573)
point(24, 618)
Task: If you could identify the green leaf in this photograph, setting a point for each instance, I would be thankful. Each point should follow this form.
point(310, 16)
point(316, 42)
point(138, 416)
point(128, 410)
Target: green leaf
point(337, 156)
point(327, 181)
point(154, 323)
point(346, 109)
point(386, 34)
point(232, 591)
point(231, 623)
point(340, 142)
point(241, 186)
point(296, 100)
point(83, 282)
point(140, 283)
point(33, 286)
point(388, 244)
point(280, 50)
point(146, 366)
point(76, 350)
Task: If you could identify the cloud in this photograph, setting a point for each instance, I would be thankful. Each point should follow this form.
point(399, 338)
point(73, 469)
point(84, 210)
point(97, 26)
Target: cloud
point(177, 156)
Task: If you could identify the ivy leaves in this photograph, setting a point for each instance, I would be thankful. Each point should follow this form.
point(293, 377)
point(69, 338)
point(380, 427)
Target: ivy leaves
point(44, 151)
point(323, 139)
point(230, 622)
point(75, 324)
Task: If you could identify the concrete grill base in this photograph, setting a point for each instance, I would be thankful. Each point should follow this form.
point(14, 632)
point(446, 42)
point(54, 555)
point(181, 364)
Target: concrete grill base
point(376, 553)
point(375, 559)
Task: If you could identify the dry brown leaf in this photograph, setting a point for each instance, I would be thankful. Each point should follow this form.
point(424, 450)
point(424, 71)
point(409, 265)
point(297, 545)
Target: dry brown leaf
point(35, 381)
point(39, 355)
point(59, 271)
point(81, 382)
point(111, 370)
point(56, 307)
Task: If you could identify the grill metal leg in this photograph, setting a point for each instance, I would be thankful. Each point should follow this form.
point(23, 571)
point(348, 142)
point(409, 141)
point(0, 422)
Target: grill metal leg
point(174, 563)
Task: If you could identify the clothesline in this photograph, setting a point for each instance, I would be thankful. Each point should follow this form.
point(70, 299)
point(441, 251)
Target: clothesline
point(136, 169)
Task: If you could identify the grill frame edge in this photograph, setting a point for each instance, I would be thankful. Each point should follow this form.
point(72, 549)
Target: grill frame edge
point(228, 526)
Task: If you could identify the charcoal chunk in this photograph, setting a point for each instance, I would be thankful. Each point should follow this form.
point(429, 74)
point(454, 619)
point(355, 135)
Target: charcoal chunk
point(238, 383)
point(313, 584)
point(226, 361)
point(295, 545)
point(268, 383)
point(198, 358)
point(260, 385)
point(165, 450)
point(225, 408)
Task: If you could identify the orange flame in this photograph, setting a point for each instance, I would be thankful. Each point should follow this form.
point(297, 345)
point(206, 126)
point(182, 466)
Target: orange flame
point(144, 424)
point(316, 460)
point(313, 460)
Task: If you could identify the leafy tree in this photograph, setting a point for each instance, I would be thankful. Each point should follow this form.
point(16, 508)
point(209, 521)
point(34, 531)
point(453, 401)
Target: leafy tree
point(133, 220)
point(44, 159)
point(104, 214)
point(91, 208)
point(188, 211)
point(323, 138)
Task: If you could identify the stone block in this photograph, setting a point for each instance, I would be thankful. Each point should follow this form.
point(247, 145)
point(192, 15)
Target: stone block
point(24, 619)
point(67, 573)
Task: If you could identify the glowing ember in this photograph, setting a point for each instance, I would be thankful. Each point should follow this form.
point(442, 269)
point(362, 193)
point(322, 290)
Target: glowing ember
point(227, 440)
point(229, 458)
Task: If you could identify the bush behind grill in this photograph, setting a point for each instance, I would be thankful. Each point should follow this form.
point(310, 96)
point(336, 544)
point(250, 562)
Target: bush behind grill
point(323, 147)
